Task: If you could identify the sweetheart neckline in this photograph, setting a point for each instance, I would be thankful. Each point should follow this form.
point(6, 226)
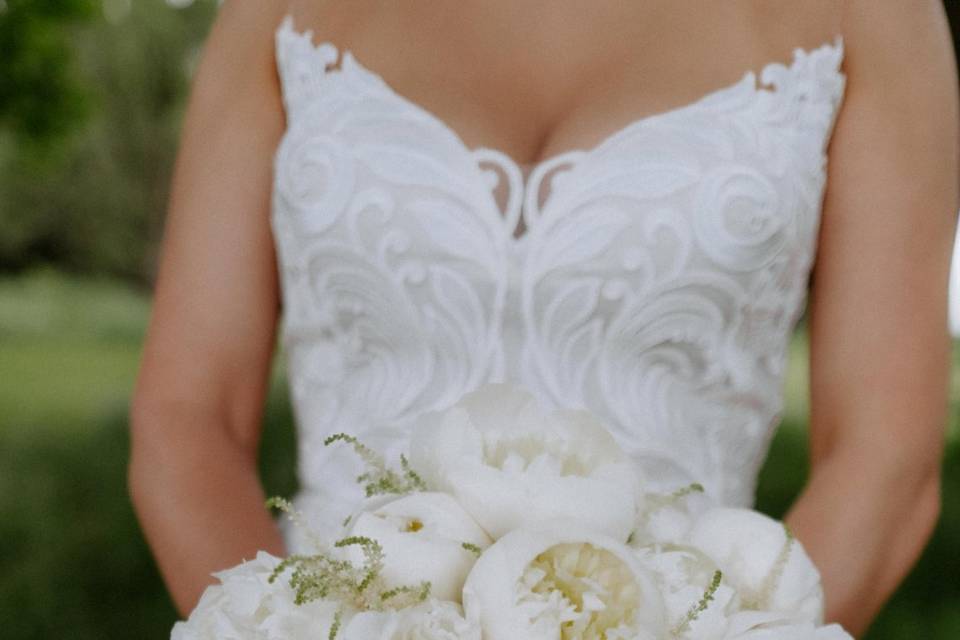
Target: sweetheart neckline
point(536, 170)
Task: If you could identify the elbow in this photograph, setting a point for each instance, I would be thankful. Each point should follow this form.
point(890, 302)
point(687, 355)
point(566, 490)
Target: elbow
point(927, 508)
point(914, 499)
point(920, 483)
point(176, 440)
point(165, 444)
point(147, 447)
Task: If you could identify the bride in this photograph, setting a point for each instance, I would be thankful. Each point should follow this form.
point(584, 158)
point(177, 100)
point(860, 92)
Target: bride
point(617, 205)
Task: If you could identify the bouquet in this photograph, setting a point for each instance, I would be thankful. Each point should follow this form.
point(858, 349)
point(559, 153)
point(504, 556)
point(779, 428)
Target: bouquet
point(509, 522)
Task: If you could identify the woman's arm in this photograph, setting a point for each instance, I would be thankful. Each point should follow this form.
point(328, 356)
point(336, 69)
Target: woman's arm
point(196, 410)
point(879, 344)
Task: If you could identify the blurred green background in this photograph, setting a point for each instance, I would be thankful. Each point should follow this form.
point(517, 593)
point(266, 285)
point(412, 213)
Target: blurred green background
point(91, 96)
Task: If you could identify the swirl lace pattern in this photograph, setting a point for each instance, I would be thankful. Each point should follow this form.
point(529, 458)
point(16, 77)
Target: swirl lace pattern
point(656, 284)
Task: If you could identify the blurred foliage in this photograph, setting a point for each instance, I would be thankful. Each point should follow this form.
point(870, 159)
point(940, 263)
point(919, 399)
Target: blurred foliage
point(94, 203)
point(42, 95)
point(73, 563)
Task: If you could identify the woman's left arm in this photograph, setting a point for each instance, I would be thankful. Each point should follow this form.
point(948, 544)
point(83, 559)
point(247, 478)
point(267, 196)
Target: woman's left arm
point(879, 342)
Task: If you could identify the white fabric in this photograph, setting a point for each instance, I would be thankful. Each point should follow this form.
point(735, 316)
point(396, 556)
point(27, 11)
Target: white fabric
point(656, 284)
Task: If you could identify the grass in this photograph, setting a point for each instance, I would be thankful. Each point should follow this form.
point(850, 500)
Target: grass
point(72, 560)
point(69, 350)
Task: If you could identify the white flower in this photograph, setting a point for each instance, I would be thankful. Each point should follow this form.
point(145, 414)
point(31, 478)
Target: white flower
point(510, 463)
point(246, 605)
point(560, 580)
point(208, 620)
point(668, 518)
point(758, 557)
point(431, 620)
point(697, 605)
point(422, 536)
point(756, 625)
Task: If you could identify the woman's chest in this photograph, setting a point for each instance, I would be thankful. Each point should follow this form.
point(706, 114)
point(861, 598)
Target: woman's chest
point(692, 229)
point(728, 182)
point(535, 79)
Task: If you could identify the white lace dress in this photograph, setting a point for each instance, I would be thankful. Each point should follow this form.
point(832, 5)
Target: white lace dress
point(656, 283)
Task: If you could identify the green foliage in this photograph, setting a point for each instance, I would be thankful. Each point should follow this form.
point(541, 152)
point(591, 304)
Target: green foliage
point(41, 95)
point(73, 562)
point(683, 492)
point(378, 478)
point(654, 502)
point(472, 548)
point(90, 194)
point(322, 576)
point(74, 345)
point(701, 605)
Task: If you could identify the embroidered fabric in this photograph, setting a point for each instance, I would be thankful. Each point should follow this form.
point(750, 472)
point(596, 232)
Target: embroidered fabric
point(657, 283)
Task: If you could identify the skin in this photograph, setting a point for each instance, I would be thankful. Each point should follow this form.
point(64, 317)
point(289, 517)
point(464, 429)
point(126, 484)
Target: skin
point(878, 379)
point(879, 343)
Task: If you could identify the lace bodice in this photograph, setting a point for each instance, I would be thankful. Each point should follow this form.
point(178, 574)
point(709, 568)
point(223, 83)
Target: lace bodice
point(656, 283)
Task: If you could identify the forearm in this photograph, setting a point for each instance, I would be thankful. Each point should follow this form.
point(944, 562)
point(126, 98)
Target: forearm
point(200, 503)
point(864, 518)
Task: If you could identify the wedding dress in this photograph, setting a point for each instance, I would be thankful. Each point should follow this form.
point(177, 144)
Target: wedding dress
point(656, 283)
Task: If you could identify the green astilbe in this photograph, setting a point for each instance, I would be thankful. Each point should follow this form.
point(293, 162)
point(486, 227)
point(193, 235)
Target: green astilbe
point(379, 479)
point(335, 626)
point(700, 606)
point(358, 587)
point(657, 501)
point(683, 492)
point(772, 582)
point(296, 518)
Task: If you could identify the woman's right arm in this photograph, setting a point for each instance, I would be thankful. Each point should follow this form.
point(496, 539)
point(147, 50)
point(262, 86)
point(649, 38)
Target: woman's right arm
point(197, 407)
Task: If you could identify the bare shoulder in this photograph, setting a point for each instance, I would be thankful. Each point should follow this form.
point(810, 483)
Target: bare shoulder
point(337, 16)
point(239, 50)
point(240, 22)
point(886, 233)
point(904, 45)
point(901, 110)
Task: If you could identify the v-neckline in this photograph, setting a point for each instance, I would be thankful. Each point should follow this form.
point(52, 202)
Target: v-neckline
point(531, 173)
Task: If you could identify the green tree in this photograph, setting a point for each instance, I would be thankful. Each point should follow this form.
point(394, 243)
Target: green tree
point(41, 96)
point(93, 202)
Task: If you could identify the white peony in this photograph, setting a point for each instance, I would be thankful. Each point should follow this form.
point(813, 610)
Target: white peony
point(422, 536)
point(246, 605)
point(768, 567)
point(756, 625)
point(697, 605)
point(431, 620)
point(668, 518)
point(510, 463)
point(560, 580)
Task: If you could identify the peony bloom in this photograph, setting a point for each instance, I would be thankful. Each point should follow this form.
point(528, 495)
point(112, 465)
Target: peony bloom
point(431, 620)
point(756, 625)
point(762, 561)
point(697, 601)
point(246, 605)
point(422, 536)
point(560, 580)
point(510, 463)
point(668, 518)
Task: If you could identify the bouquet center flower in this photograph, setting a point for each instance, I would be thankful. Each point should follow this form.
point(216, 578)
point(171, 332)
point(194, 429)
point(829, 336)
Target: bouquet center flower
point(532, 453)
point(589, 592)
